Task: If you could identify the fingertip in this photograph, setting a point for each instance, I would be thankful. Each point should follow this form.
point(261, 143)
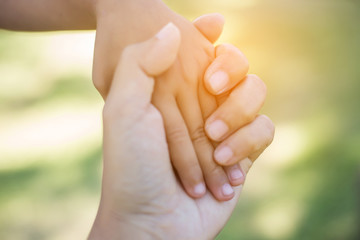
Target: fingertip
point(223, 155)
point(194, 190)
point(216, 130)
point(220, 186)
point(220, 18)
point(235, 175)
point(227, 192)
point(162, 50)
point(227, 70)
point(210, 25)
point(217, 82)
point(213, 18)
point(199, 190)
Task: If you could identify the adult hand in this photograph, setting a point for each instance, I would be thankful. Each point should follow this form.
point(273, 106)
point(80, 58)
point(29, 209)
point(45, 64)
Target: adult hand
point(141, 195)
point(179, 93)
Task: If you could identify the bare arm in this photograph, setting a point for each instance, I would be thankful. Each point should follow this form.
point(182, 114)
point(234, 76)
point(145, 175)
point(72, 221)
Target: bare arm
point(180, 94)
point(46, 15)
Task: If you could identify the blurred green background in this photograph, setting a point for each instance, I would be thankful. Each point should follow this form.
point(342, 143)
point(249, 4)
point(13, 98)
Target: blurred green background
point(305, 186)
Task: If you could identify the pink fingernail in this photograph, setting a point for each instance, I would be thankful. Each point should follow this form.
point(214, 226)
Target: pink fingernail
point(223, 154)
point(217, 129)
point(227, 189)
point(199, 189)
point(166, 31)
point(236, 174)
point(218, 81)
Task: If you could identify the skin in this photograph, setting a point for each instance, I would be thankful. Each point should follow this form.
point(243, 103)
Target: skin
point(181, 94)
point(141, 195)
point(136, 201)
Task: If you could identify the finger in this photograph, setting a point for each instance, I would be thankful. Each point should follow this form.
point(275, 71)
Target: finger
point(256, 154)
point(252, 138)
point(208, 105)
point(210, 25)
point(239, 109)
point(245, 165)
point(207, 102)
point(227, 70)
point(183, 156)
point(235, 174)
point(215, 177)
point(132, 85)
point(164, 48)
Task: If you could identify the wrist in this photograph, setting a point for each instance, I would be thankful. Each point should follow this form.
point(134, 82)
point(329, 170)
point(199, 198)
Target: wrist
point(112, 228)
point(111, 225)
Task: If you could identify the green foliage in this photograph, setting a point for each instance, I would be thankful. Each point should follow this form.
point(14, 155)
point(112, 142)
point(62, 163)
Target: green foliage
point(308, 54)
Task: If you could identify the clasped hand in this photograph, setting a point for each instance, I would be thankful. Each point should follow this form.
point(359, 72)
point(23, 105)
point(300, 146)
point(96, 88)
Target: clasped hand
point(142, 196)
point(203, 83)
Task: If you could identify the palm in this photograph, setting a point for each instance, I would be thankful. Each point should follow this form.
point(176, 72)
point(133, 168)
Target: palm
point(140, 183)
point(200, 218)
point(160, 191)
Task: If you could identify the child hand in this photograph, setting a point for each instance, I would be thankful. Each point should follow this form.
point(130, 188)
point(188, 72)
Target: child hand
point(141, 197)
point(176, 95)
point(233, 120)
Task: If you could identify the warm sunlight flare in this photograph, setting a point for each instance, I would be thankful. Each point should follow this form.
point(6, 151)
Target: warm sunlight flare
point(304, 186)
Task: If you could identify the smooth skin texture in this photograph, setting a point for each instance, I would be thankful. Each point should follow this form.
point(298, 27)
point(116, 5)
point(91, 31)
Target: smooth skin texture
point(176, 93)
point(45, 15)
point(122, 22)
point(180, 94)
point(141, 195)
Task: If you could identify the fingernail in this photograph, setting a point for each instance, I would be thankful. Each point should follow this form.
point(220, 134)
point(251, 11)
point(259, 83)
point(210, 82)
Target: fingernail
point(217, 129)
point(199, 189)
point(227, 189)
point(223, 154)
point(166, 31)
point(246, 165)
point(236, 174)
point(218, 81)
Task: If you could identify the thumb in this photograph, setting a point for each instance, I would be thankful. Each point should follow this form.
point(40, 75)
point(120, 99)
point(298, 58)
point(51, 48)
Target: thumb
point(210, 25)
point(133, 81)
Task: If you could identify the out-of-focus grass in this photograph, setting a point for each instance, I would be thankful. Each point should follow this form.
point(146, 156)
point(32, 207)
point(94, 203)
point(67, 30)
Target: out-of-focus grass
point(305, 186)
point(50, 136)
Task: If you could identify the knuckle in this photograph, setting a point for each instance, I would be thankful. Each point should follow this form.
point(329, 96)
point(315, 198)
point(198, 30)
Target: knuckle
point(193, 168)
point(214, 171)
point(198, 135)
point(189, 172)
point(177, 135)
